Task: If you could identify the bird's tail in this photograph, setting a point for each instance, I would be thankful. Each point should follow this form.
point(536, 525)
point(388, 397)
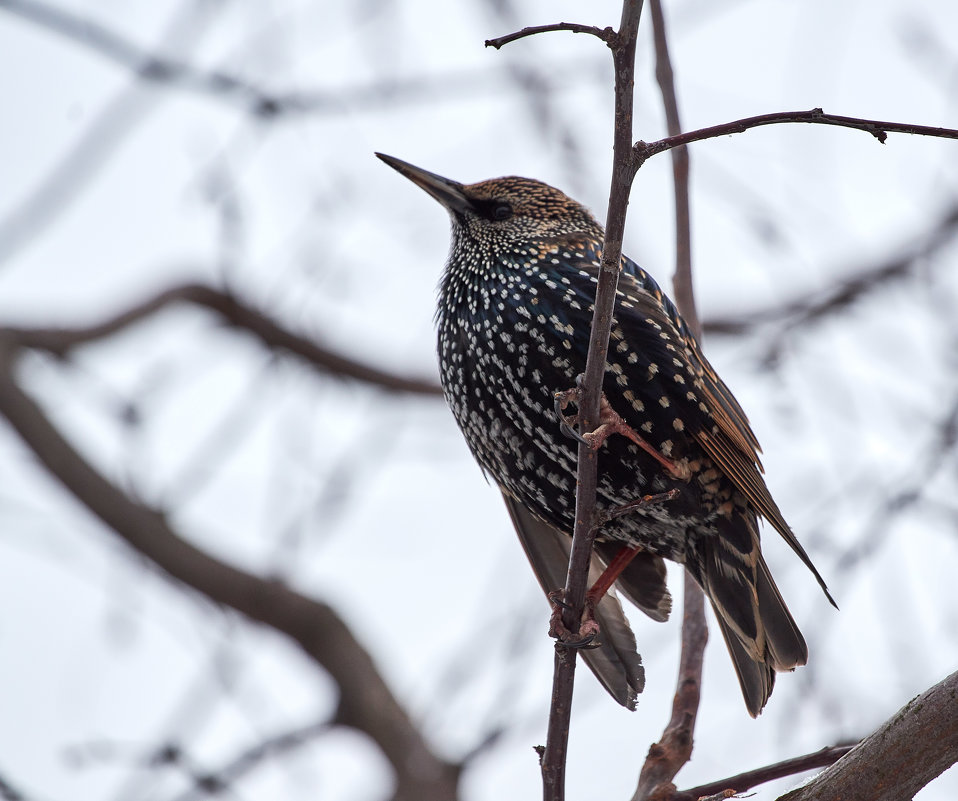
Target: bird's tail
point(761, 635)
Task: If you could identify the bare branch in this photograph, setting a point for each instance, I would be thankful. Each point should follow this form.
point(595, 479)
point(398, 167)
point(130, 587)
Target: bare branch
point(752, 778)
point(877, 128)
point(682, 279)
point(607, 35)
point(916, 744)
point(674, 749)
point(366, 702)
point(61, 341)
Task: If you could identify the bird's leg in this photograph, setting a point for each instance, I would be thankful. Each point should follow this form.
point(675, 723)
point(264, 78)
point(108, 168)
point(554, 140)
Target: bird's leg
point(610, 422)
point(609, 576)
point(588, 626)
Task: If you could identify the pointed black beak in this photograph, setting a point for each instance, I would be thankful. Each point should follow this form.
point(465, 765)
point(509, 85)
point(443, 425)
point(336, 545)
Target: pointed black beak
point(450, 193)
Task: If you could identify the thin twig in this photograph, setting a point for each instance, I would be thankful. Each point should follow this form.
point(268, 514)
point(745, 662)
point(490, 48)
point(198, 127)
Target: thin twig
point(60, 341)
point(211, 783)
point(674, 748)
point(160, 69)
point(607, 35)
point(779, 770)
point(99, 142)
point(877, 128)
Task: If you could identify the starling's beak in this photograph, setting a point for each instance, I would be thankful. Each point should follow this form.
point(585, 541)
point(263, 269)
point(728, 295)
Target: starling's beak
point(450, 193)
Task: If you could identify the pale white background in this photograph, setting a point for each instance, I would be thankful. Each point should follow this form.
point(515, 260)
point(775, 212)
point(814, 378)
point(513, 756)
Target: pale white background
point(114, 188)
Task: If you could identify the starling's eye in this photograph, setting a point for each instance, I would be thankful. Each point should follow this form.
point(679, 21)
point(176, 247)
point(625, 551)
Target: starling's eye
point(501, 211)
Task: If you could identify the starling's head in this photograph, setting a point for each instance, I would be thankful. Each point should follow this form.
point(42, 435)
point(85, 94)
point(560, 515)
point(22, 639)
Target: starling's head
point(503, 211)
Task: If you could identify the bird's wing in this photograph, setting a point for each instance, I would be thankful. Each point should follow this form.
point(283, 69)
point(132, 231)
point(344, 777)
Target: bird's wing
point(708, 409)
point(616, 662)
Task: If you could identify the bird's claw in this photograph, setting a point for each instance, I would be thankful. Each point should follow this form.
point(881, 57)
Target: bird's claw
point(588, 633)
point(561, 400)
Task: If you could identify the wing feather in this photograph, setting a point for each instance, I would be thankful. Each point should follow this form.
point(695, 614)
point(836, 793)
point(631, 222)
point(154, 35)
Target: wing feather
point(721, 428)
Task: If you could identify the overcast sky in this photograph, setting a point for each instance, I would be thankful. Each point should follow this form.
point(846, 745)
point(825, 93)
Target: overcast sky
point(115, 187)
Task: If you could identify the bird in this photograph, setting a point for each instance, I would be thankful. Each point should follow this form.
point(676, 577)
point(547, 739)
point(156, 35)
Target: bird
point(516, 299)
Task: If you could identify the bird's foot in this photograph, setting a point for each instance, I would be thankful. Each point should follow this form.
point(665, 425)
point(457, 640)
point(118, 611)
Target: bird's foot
point(610, 422)
point(586, 636)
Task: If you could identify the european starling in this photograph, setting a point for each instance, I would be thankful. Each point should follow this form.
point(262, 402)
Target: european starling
point(514, 318)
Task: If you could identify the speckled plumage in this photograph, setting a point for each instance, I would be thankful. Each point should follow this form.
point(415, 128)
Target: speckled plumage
point(514, 317)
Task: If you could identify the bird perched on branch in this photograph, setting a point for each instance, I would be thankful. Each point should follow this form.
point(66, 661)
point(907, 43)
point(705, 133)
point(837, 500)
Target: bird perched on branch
point(514, 319)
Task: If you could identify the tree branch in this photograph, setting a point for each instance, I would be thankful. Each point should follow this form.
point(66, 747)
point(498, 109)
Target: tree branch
point(60, 341)
point(877, 128)
point(622, 44)
point(607, 35)
point(916, 744)
point(366, 702)
point(665, 76)
point(752, 778)
point(674, 749)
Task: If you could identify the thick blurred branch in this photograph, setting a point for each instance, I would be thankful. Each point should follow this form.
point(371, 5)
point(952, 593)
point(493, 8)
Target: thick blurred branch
point(366, 702)
point(8, 792)
point(60, 341)
point(915, 745)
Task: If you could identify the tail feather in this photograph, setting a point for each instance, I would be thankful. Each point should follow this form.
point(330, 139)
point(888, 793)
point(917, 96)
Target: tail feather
point(759, 631)
point(755, 678)
point(616, 662)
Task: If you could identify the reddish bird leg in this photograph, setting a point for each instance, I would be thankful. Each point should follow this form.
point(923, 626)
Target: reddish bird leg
point(610, 422)
point(588, 626)
point(609, 576)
